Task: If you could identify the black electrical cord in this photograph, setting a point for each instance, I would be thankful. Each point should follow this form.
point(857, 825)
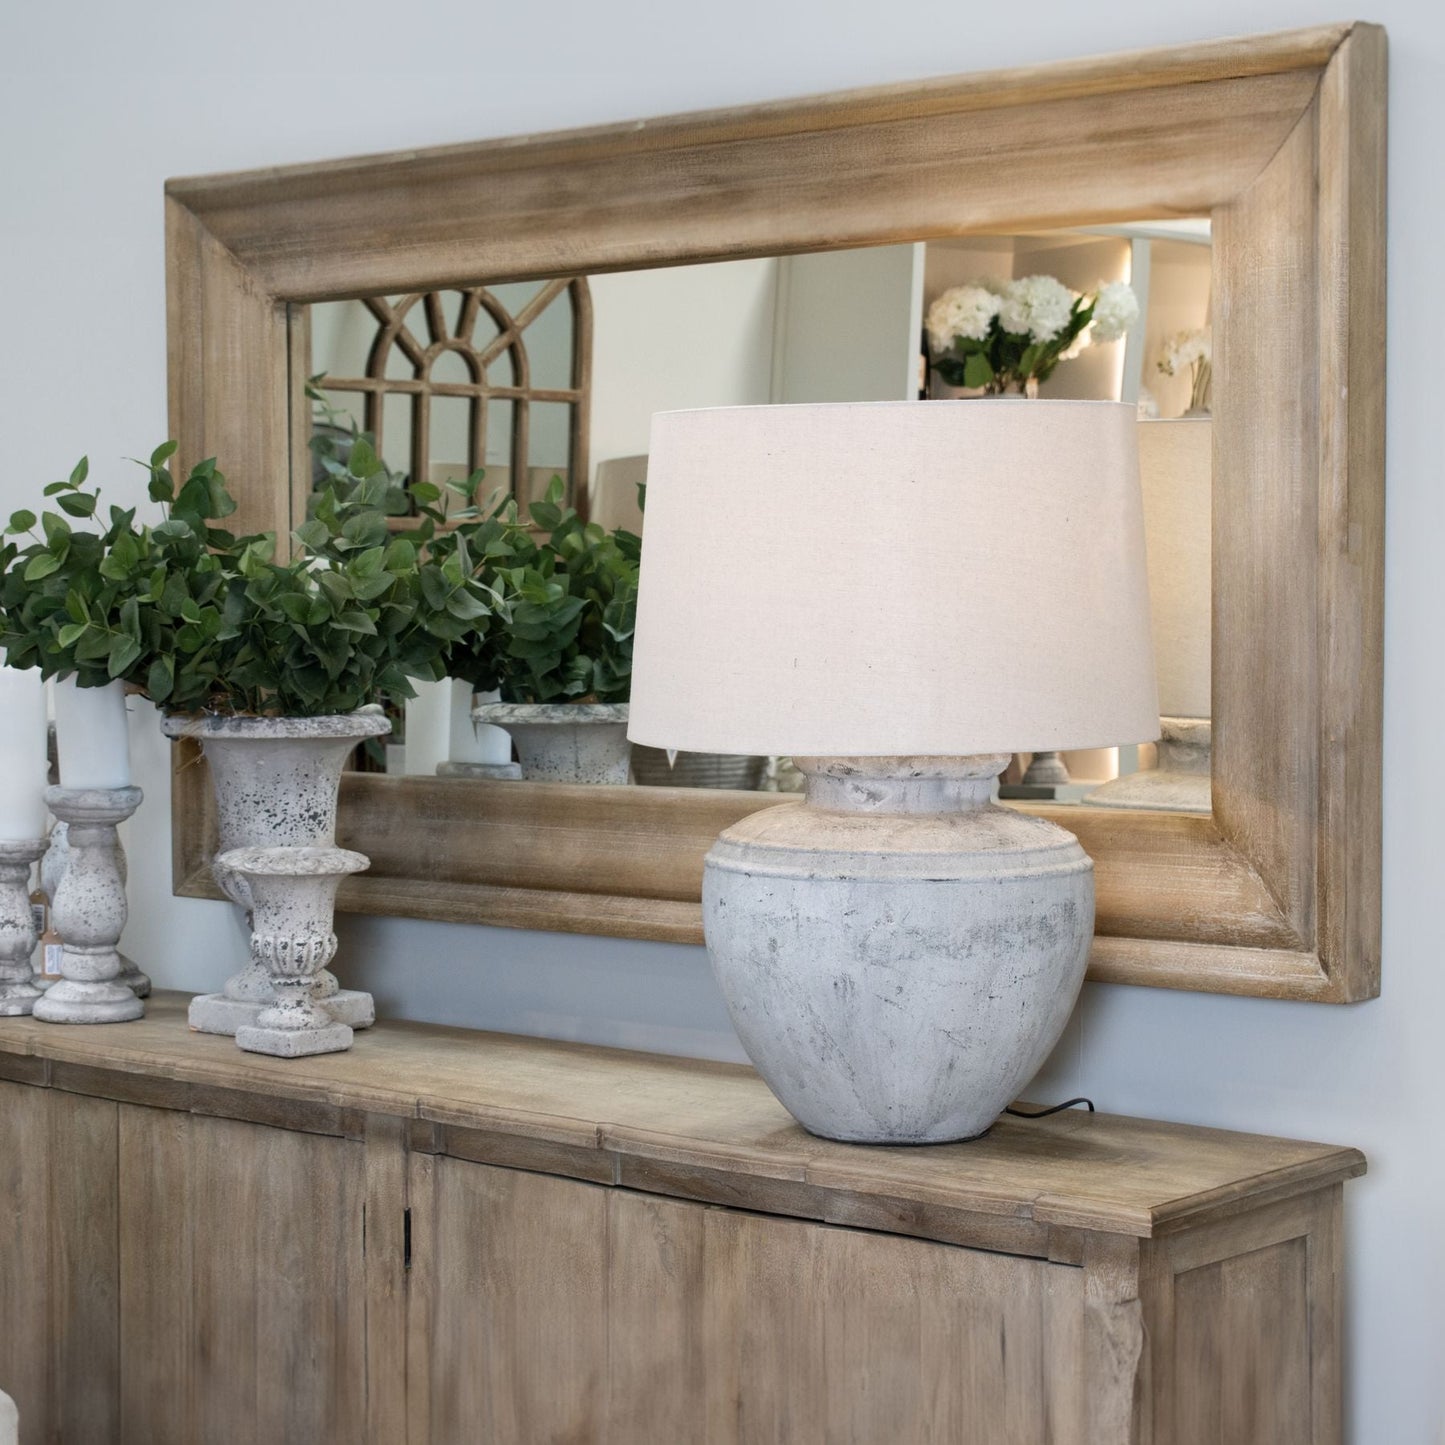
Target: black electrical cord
point(1053, 1109)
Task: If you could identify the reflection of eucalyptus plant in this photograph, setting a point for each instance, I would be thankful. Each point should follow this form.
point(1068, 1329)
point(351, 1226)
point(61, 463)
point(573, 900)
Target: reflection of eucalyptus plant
point(565, 604)
point(203, 621)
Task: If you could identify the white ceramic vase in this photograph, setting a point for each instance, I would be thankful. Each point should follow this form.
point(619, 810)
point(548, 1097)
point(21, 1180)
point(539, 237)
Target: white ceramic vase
point(898, 954)
point(566, 742)
point(276, 782)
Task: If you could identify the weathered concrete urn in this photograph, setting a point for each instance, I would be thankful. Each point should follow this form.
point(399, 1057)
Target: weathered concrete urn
point(898, 954)
point(276, 782)
point(293, 904)
point(565, 742)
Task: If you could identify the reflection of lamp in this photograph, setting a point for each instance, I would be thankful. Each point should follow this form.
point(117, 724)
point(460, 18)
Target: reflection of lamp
point(840, 583)
point(1176, 473)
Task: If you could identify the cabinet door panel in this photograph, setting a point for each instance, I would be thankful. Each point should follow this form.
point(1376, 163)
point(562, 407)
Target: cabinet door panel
point(242, 1283)
point(517, 1334)
point(59, 1353)
point(559, 1311)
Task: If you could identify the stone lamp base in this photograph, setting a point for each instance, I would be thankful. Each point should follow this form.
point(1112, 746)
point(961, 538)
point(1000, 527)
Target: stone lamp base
point(898, 954)
point(18, 993)
point(1180, 784)
point(89, 910)
point(293, 898)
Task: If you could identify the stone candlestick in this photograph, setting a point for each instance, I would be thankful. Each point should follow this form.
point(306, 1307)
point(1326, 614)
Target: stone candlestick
point(52, 870)
point(17, 927)
point(89, 909)
point(293, 904)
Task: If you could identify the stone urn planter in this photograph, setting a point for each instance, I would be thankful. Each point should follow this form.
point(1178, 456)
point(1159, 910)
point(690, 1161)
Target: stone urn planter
point(276, 781)
point(565, 742)
point(293, 893)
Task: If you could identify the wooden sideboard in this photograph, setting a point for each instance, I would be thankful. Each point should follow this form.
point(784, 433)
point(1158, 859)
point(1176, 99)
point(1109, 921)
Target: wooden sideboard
point(455, 1237)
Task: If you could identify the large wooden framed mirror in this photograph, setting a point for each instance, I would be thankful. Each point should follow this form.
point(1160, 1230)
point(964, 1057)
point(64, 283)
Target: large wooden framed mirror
point(1271, 148)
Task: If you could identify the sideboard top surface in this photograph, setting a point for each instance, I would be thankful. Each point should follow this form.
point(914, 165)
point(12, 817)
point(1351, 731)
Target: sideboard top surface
point(1074, 1170)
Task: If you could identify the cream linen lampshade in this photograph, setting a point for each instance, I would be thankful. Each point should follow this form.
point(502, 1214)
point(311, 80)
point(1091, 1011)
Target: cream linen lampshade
point(941, 578)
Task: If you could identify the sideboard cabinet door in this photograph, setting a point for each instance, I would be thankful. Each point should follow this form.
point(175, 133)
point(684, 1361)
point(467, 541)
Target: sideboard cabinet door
point(545, 1309)
point(242, 1300)
point(178, 1279)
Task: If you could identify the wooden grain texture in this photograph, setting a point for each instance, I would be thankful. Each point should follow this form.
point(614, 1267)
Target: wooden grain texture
point(243, 1305)
point(384, 1237)
point(1244, 1330)
point(157, 1222)
point(560, 1311)
point(196, 1278)
point(517, 1300)
point(25, 1283)
point(83, 1220)
point(1279, 896)
point(1070, 1172)
point(1352, 171)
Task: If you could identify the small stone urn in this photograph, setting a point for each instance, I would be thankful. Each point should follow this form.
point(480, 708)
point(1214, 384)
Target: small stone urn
point(293, 909)
point(276, 781)
point(565, 742)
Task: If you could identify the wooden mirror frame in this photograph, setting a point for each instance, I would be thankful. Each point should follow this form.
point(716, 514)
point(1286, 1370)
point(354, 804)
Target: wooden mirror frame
point(1280, 138)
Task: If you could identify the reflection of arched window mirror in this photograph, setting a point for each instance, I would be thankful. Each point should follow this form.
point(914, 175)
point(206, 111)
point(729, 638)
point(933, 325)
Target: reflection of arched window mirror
point(481, 376)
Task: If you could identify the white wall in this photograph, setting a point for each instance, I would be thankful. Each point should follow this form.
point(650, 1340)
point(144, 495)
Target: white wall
point(101, 102)
point(680, 337)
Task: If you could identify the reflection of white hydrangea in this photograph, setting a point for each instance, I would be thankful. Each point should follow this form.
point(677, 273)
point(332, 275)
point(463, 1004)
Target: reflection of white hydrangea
point(1036, 306)
point(1115, 311)
point(1186, 350)
point(962, 311)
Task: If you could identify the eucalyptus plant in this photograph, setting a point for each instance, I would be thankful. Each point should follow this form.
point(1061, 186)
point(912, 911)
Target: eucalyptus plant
point(201, 620)
point(565, 600)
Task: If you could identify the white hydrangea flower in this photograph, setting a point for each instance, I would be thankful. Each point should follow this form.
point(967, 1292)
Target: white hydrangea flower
point(961, 311)
point(1036, 306)
point(1185, 350)
point(1115, 311)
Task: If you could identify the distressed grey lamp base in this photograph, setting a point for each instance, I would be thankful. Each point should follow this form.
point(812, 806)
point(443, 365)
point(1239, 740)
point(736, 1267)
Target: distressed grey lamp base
point(1182, 781)
point(214, 1013)
point(898, 955)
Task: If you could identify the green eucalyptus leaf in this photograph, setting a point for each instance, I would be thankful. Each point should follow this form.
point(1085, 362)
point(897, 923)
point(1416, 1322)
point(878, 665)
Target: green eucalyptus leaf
point(21, 521)
point(42, 565)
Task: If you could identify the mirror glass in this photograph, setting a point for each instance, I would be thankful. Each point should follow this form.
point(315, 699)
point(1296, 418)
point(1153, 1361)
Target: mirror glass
point(537, 380)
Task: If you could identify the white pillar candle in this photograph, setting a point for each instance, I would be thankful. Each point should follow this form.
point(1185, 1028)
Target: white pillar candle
point(91, 735)
point(476, 742)
point(428, 724)
point(23, 762)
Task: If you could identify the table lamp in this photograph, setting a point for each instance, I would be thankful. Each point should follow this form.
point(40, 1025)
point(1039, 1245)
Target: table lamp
point(900, 595)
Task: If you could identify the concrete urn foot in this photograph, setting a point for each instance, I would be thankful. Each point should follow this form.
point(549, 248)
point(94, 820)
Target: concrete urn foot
point(89, 910)
point(276, 782)
point(293, 893)
point(898, 954)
